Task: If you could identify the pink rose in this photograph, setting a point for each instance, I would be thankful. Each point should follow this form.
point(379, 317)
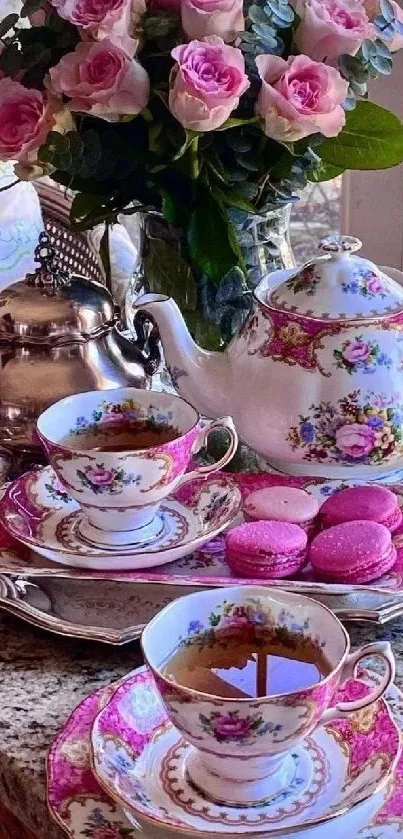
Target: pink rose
point(373, 8)
point(356, 351)
point(99, 19)
point(227, 727)
point(101, 79)
point(100, 477)
point(330, 28)
point(374, 285)
point(206, 83)
point(213, 17)
point(355, 440)
point(24, 120)
point(26, 117)
point(299, 97)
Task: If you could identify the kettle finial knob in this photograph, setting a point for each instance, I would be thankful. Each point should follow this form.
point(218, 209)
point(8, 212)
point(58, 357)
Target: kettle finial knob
point(339, 245)
point(48, 274)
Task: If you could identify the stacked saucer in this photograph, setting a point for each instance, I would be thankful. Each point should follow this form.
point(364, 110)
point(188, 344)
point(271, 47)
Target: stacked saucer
point(264, 754)
point(343, 771)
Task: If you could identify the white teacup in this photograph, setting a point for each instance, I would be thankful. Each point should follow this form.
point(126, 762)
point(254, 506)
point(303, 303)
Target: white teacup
point(121, 491)
point(243, 746)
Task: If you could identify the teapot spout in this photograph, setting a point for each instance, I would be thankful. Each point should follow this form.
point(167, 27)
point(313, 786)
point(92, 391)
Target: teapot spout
point(200, 376)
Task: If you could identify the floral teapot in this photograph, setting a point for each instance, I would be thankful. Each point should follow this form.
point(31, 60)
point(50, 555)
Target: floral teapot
point(314, 378)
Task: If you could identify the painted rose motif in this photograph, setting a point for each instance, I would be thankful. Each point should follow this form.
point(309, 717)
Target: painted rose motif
point(101, 480)
point(97, 826)
point(305, 281)
point(355, 440)
point(353, 430)
point(356, 351)
point(361, 355)
point(233, 728)
point(365, 283)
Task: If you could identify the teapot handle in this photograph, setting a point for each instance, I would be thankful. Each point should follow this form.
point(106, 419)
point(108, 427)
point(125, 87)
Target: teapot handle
point(147, 341)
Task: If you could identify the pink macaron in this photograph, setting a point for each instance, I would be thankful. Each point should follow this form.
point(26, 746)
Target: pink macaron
point(369, 503)
point(266, 549)
point(353, 552)
point(281, 503)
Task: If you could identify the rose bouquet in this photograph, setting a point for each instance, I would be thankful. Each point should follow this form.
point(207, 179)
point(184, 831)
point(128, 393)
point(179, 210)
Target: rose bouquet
point(208, 113)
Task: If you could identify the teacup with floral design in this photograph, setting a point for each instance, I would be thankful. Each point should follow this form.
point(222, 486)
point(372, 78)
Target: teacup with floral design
point(243, 747)
point(121, 491)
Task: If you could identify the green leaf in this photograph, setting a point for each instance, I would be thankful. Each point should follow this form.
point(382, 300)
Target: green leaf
point(371, 139)
point(167, 272)
point(88, 210)
point(233, 199)
point(209, 238)
point(235, 123)
point(324, 172)
point(8, 23)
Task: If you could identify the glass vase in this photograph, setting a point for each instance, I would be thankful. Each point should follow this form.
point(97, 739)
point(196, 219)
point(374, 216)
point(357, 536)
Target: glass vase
point(213, 314)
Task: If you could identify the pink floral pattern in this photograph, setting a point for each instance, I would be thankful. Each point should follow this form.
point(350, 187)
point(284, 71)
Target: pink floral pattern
point(365, 428)
point(232, 727)
point(361, 355)
point(370, 728)
point(101, 479)
point(365, 283)
point(228, 617)
point(101, 818)
point(110, 415)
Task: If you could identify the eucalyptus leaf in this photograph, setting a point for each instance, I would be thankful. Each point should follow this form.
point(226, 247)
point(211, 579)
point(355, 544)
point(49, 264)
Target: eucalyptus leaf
point(371, 139)
point(257, 15)
point(31, 6)
point(352, 68)
point(387, 10)
point(382, 65)
point(239, 142)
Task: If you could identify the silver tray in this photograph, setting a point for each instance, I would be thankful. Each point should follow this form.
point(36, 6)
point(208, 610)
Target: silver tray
point(116, 612)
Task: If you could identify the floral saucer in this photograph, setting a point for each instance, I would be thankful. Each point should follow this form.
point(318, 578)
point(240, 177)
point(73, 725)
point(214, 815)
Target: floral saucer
point(37, 511)
point(139, 759)
point(83, 810)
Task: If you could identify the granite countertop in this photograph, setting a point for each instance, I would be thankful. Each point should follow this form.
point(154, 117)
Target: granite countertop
point(44, 677)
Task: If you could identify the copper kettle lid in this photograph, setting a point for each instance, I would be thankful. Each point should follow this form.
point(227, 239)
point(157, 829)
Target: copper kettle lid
point(52, 307)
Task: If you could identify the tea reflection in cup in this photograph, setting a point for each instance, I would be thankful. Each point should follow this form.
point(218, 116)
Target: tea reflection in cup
point(119, 453)
point(242, 736)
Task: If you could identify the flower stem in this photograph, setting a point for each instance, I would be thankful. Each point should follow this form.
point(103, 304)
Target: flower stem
point(194, 159)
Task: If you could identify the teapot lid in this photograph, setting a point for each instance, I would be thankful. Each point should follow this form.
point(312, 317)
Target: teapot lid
point(338, 285)
point(50, 307)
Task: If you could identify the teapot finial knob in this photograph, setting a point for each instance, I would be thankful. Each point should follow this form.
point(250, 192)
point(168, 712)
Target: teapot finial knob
point(339, 245)
point(49, 274)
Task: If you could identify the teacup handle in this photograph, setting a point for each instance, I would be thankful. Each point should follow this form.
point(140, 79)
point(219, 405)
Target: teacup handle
point(200, 442)
point(381, 649)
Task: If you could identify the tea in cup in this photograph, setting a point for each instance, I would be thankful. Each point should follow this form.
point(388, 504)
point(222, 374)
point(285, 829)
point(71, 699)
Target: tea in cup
point(245, 673)
point(120, 453)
